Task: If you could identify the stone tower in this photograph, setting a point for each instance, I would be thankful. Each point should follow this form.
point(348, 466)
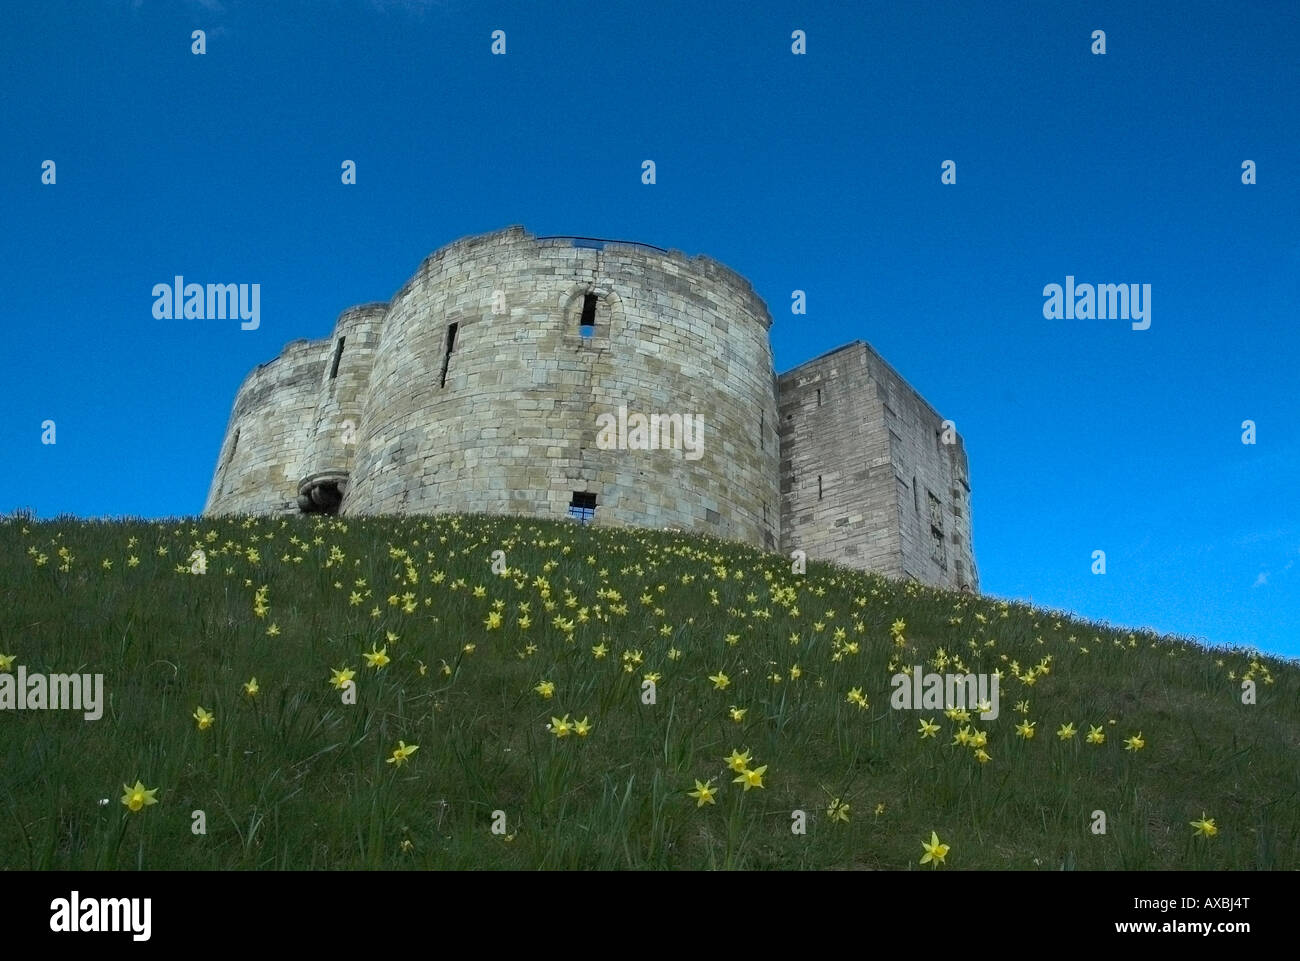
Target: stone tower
point(490, 380)
point(869, 475)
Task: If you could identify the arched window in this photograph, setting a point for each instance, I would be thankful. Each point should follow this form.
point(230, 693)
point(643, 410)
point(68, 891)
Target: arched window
point(587, 321)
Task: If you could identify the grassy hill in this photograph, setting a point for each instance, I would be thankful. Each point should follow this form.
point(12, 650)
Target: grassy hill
point(481, 666)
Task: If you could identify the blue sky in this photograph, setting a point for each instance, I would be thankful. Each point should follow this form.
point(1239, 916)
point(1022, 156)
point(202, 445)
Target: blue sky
point(818, 172)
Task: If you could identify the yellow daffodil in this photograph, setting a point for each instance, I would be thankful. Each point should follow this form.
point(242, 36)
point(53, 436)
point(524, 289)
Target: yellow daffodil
point(1026, 729)
point(599, 651)
point(738, 761)
point(561, 727)
point(738, 713)
point(703, 793)
point(546, 689)
point(1095, 735)
point(982, 755)
point(752, 778)
point(582, 728)
point(139, 796)
point(376, 659)
point(1066, 731)
point(205, 719)
point(1204, 828)
point(251, 688)
point(1134, 743)
point(341, 676)
point(402, 752)
point(935, 851)
point(928, 728)
point(837, 811)
point(7, 662)
point(720, 681)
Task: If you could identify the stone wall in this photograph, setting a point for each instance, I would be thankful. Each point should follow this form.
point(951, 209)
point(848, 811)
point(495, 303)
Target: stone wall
point(514, 427)
point(481, 384)
point(271, 427)
point(344, 385)
point(866, 477)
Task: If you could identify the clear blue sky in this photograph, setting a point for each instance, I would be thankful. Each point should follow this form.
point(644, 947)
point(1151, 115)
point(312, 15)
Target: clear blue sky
point(817, 172)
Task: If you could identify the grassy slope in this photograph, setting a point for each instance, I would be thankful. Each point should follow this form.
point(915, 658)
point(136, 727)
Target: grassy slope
point(294, 778)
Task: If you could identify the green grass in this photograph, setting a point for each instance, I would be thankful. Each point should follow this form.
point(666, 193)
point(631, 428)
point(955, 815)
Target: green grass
point(295, 778)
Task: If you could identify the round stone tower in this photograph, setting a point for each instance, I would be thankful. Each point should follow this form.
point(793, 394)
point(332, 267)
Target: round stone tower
point(512, 374)
point(330, 449)
point(266, 440)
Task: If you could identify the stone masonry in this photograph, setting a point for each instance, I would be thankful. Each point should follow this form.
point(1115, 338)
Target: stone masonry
point(481, 384)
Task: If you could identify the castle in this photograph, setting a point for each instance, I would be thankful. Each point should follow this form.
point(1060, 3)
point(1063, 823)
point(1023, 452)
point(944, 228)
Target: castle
point(484, 383)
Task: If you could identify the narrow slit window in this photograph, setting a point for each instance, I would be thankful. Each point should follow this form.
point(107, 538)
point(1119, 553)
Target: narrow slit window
point(587, 324)
point(819, 396)
point(446, 357)
point(762, 441)
point(338, 355)
point(916, 497)
point(583, 506)
point(234, 442)
point(819, 486)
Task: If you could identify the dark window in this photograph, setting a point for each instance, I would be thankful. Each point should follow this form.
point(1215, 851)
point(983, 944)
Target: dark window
point(446, 358)
point(583, 506)
point(938, 550)
point(765, 513)
point(338, 355)
point(587, 325)
point(762, 441)
point(936, 512)
point(916, 497)
point(819, 486)
point(819, 396)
